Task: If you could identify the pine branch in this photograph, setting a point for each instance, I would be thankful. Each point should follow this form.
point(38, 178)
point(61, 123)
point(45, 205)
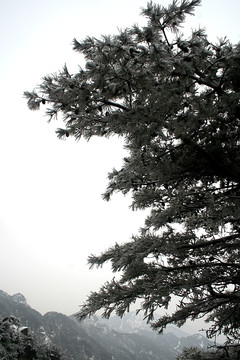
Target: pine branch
point(111, 103)
point(228, 295)
point(200, 244)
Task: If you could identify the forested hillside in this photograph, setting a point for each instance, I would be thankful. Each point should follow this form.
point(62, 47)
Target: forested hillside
point(93, 338)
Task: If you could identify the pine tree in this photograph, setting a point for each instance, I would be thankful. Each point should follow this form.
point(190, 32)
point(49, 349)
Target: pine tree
point(220, 353)
point(175, 102)
point(20, 343)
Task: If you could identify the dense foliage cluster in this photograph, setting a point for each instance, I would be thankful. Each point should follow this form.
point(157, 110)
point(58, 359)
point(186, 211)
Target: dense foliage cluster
point(221, 353)
point(175, 102)
point(19, 343)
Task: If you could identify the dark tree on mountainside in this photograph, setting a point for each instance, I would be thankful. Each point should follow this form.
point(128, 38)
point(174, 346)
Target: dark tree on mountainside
point(19, 343)
point(175, 102)
point(221, 353)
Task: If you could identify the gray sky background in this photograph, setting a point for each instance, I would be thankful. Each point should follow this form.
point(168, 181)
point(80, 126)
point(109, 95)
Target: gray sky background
point(52, 215)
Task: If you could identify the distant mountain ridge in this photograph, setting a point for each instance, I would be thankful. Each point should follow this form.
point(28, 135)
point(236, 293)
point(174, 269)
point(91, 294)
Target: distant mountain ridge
point(128, 338)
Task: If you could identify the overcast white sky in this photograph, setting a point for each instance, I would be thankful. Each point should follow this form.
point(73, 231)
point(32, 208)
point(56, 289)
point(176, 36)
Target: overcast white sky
point(51, 212)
